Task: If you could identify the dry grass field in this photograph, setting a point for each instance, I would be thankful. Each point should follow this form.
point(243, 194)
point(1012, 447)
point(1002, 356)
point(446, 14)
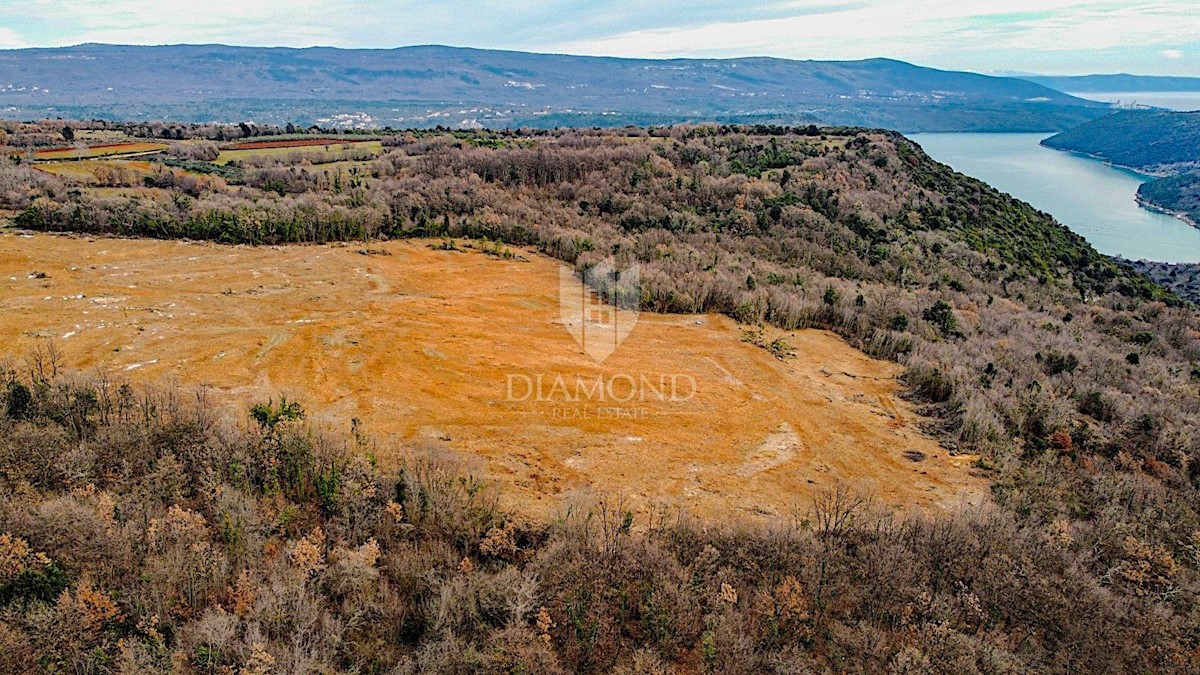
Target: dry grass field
point(284, 149)
point(291, 143)
point(105, 150)
point(424, 345)
point(96, 170)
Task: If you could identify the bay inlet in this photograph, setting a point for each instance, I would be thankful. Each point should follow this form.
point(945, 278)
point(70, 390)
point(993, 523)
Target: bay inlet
point(1092, 198)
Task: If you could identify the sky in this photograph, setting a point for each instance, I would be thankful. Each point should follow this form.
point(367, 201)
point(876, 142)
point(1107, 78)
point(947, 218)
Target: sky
point(1152, 37)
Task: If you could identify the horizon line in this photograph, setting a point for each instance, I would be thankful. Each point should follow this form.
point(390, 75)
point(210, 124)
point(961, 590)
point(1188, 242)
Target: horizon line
point(745, 57)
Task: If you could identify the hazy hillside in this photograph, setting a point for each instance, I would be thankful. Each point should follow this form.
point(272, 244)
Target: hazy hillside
point(1182, 279)
point(1115, 83)
point(428, 86)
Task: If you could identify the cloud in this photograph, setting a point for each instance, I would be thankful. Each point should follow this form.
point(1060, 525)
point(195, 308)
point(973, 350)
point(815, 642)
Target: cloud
point(1172, 53)
point(66, 22)
point(11, 39)
point(922, 27)
point(1031, 35)
point(359, 23)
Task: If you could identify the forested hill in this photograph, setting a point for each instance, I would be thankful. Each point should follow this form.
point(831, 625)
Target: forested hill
point(429, 86)
point(1164, 143)
point(1179, 194)
point(1157, 141)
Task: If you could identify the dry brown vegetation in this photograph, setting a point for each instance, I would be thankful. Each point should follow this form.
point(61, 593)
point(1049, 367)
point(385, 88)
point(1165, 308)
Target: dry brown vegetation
point(145, 533)
point(975, 293)
point(1074, 379)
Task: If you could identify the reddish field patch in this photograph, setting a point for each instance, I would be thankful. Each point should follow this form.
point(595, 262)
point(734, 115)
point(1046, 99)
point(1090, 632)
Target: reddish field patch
point(263, 145)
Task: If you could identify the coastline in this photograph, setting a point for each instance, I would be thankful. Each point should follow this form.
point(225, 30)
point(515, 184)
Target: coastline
point(1106, 162)
point(1142, 201)
point(1152, 206)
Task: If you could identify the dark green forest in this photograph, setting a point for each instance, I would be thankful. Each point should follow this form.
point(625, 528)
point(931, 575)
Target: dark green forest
point(1150, 140)
point(1179, 194)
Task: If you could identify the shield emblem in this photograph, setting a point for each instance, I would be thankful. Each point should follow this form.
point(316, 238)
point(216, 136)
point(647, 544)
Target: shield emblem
point(599, 307)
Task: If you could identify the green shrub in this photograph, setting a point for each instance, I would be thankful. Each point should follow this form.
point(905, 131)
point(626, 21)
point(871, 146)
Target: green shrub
point(19, 400)
point(35, 584)
point(941, 315)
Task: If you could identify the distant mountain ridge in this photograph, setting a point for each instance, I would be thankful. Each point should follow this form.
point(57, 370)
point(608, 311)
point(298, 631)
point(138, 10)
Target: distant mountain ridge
point(1118, 83)
point(431, 85)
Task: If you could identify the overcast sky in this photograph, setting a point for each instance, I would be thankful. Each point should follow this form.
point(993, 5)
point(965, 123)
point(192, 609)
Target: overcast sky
point(1044, 36)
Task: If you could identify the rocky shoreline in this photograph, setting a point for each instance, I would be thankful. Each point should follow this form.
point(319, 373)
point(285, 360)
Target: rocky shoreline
point(1182, 215)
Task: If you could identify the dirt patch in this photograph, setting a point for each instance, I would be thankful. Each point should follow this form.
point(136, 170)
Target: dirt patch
point(431, 347)
point(776, 450)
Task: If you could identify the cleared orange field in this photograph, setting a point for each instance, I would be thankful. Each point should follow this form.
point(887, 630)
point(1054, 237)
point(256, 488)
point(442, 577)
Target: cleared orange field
point(434, 349)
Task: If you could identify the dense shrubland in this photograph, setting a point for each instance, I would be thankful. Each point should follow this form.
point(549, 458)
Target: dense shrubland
point(202, 151)
point(1154, 140)
point(144, 531)
point(21, 185)
point(1182, 279)
point(1073, 377)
